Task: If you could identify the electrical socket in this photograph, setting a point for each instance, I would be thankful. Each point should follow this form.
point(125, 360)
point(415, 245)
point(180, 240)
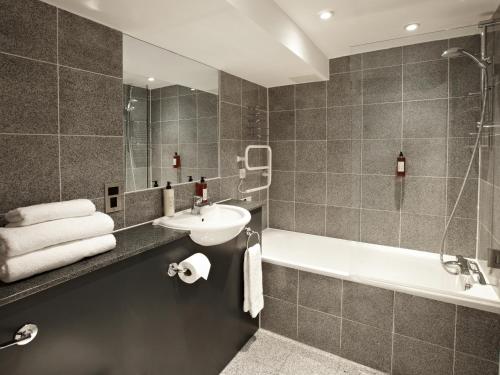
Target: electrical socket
point(243, 173)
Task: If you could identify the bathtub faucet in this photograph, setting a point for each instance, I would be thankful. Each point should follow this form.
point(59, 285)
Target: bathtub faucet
point(469, 267)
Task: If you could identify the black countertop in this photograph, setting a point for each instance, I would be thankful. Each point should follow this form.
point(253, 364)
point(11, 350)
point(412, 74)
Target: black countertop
point(129, 242)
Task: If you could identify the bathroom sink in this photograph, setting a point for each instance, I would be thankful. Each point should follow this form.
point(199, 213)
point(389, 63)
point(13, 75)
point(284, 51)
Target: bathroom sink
point(214, 225)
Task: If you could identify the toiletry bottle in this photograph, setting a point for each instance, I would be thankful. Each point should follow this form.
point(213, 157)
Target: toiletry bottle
point(176, 161)
point(155, 183)
point(202, 189)
point(190, 178)
point(168, 200)
point(401, 168)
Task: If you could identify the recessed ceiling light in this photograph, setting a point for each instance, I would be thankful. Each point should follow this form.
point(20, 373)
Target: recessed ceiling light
point(192, 89)
point(151, 79)
point(325, 14)
point(412, 26)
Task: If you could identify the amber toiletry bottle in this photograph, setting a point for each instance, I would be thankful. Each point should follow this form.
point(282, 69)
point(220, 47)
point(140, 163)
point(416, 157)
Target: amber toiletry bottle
point(202, 189)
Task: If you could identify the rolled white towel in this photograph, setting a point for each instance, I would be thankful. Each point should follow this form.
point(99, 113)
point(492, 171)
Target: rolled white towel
point(49, 211)
point(253, 296)
point(23, 266)
point(23, 240)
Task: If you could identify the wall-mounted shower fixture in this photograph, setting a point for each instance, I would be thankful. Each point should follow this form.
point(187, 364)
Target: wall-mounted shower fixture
point(266, 169)
point(455, 266)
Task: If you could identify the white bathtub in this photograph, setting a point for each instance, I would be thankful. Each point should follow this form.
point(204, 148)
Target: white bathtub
point(409, 271)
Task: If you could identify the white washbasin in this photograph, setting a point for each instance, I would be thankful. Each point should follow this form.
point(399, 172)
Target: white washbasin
point(214, 225)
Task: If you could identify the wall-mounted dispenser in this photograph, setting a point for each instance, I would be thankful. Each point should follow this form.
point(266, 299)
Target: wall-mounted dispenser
point(266, 169)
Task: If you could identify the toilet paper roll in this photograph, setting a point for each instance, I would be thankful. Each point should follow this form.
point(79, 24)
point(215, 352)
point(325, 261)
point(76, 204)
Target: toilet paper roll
point(196, 266)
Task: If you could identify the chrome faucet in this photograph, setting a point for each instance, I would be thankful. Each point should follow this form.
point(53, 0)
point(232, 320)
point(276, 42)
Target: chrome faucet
point(471, 268)
point(198, 204)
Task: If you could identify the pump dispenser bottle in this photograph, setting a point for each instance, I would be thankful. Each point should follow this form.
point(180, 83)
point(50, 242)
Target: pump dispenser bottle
point(168, 200)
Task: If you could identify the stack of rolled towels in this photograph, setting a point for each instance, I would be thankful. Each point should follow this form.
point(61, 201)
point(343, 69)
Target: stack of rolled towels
point(47, 236)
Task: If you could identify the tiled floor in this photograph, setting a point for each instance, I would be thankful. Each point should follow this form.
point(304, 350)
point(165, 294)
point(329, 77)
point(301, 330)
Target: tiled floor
point(270, 354)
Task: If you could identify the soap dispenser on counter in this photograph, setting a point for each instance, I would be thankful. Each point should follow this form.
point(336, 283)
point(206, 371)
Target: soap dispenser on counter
point(168, 200)
point(201, 189)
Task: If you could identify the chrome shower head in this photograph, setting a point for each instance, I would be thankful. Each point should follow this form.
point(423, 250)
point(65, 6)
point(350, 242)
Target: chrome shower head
point(459, 52)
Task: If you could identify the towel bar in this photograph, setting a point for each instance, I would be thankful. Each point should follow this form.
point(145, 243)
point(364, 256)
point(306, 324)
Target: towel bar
point(23, 336)
point(250, 232)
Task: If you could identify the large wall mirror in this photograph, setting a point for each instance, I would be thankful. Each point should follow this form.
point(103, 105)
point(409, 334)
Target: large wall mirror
point(170, 114)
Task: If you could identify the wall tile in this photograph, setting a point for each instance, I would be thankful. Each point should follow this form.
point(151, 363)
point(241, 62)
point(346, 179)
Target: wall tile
point(142, 206)
point(342, 223)
point(366, 345)
point(368, 305)
point(381, 192)
point(382, 121)
point(425, 319)
point(28, 28)
point(311, 124)
point(343, 190)
point(412, 357)
point(464, 77)
point(425, 119)
point(310, 95)
point(424, 195)
point(425, 157)
point(281, 98)
point(187, 106)
point(229, 149)
point(30, 171)
point(169, 91)
point(469, 365)
point(281, 125)
point(189, 155)
point(344, 122)
point(169, 108)
point(230, 121)
point(427, 80)
point(344, 156)
point(477, 333)
point(310, 156)
point(319, 330)
point(345, 64)
point(280, 282)
point(310, 218)
point(230, 88)
point(206, 105)
point(320, 293)
point(459, 154)
point(464, 114)
point(281, 215)
point(29, 95)
point(344, 89)
point(421, 232)
point(380, 227)
point(188, 132)
point(380, 156)
point(279, 317)
point(382, 85)
point(424, 51)
point(381, 58)
point(462, 237)
point(208, 129)
point(208, 155)
point(283, 155)
point(310, 187)
point(90, 104)
point(253, 95)
point(467, 207)
point(88, 45)
point(87, 163)
point(282, 187)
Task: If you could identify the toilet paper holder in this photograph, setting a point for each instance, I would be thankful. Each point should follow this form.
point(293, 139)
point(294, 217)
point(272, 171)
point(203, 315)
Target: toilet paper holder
point(174, 269)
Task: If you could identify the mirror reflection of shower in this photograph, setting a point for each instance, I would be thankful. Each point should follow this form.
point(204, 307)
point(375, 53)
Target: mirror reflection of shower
point(137, 130)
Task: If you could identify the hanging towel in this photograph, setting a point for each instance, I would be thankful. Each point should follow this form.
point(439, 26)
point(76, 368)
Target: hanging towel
point(22, 240)
point(23, 266)
point(252, 273)
point(40, 213)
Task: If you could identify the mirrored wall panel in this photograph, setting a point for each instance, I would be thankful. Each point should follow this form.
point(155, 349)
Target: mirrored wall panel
point(170, 117)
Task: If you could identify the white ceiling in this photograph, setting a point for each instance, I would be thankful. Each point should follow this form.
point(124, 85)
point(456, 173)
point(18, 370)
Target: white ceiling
point(227, 35)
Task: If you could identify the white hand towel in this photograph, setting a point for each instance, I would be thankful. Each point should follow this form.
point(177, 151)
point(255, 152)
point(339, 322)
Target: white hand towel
point(49, 211)
point(252, 273)
point(22, 240)
point(53, 257)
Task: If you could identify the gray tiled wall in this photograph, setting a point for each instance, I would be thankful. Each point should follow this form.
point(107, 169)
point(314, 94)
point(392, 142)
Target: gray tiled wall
point(61, 129)
point(335, 146)
point(390, 331)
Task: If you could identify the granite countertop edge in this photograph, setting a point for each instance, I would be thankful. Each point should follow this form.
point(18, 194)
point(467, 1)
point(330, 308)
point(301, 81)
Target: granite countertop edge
point(130, 242)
